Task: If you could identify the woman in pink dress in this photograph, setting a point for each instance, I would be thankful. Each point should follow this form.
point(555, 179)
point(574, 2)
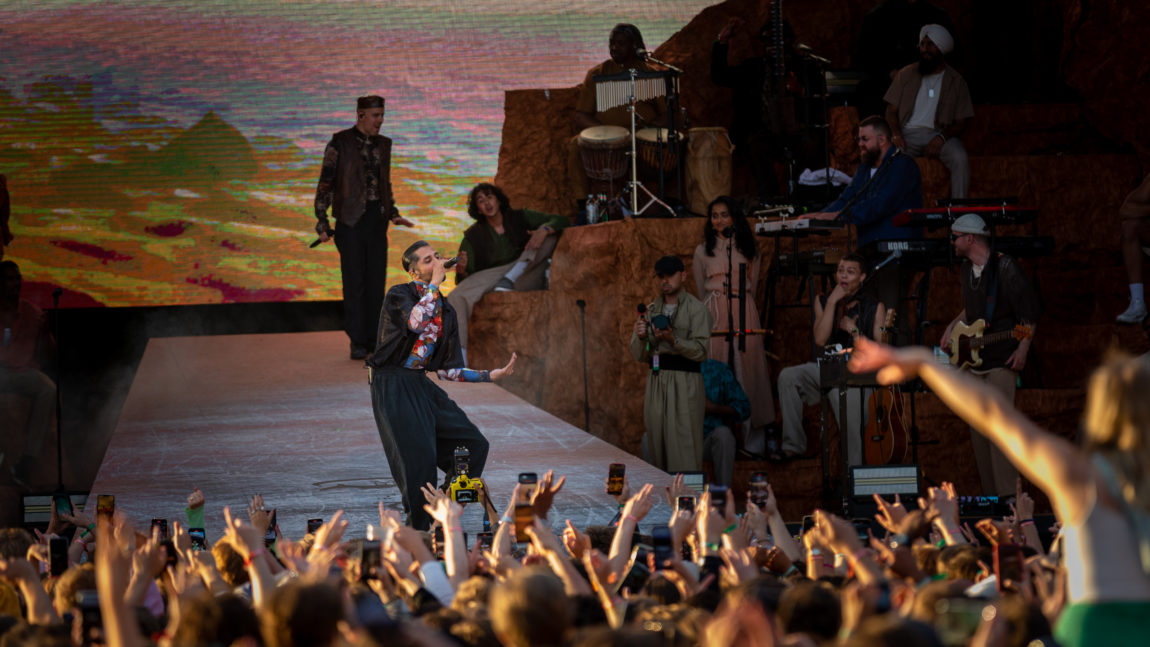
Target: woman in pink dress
point(727, 229)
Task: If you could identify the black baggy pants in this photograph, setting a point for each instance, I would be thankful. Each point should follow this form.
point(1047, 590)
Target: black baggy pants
point(363, 264)
point(420, 427)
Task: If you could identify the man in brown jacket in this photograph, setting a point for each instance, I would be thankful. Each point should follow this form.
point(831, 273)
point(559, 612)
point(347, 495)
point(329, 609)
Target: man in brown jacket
point(928, 107)
point(355, 182)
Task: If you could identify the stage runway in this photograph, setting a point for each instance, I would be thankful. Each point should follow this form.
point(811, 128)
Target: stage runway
point(288, 416)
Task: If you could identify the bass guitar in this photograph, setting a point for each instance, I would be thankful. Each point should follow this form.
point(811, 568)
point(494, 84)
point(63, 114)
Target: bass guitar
point(966, 340)
point(885, 439)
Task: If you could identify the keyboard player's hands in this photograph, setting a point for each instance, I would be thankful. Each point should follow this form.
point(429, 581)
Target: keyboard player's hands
point(818, 215)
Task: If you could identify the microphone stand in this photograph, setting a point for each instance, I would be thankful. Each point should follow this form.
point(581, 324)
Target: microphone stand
point(673, 139)
point(586, 392)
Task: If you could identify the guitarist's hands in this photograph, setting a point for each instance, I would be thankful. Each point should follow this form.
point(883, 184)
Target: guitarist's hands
point(944, 343)
point(1017, 360)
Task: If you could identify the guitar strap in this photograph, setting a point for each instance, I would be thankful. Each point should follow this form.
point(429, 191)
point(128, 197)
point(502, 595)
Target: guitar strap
point(991, 275)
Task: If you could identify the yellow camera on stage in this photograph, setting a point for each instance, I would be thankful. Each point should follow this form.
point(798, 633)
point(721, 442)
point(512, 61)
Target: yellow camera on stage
point(464, 489)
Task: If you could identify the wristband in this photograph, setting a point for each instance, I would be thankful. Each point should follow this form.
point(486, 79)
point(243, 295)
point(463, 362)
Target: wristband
point(1026, 521)
point(250, 558)
point(711, 546)
point(731, 528)
point(631, 519)
point(90, 529)
point(816, 551)
point(792, 569)
point(83, 544)
point(507, 520)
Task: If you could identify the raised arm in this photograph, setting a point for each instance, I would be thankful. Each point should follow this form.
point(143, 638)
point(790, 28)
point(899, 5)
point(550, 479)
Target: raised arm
point(1046, 460)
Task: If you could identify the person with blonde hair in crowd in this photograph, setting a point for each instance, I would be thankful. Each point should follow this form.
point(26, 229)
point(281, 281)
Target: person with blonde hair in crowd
point(1100, 491)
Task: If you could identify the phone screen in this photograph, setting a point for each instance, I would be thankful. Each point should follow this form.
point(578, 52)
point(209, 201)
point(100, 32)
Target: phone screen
point(57, 555)
point(369, 561)
point(270, 535)
point(162, 524)
point(105, 505)
point(524, 515)
point(697, 481)
point(615, 474)
point(957, 619)
point(437, 541)
point(758, 489)
point(1007, 564)
point(63, 504)
point(313, 525)
point(718, 495)
point(685, 503)
point(485, 539)
point(199, 539)
point(527, 484)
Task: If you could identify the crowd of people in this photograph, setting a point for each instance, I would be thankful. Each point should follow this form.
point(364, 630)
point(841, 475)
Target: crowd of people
point(709, 576)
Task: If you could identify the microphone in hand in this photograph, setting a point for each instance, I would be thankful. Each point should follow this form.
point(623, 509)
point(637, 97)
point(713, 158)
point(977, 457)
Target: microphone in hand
point(451, 262)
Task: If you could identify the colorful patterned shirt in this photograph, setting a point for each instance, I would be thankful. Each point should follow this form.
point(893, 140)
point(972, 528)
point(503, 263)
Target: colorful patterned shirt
point(427, 320)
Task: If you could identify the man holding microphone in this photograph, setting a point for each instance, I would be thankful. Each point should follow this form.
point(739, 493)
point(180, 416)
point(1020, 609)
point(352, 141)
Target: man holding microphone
point(420, 426)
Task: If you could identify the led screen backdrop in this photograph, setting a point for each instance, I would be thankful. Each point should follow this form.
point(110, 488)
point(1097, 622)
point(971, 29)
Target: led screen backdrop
point(164, 153)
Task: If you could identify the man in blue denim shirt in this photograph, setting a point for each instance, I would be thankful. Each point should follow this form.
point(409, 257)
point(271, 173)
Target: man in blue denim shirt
point(727, 405)
point(896, 188)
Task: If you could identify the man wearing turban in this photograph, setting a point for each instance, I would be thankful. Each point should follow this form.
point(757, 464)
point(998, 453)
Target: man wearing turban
point(928, 107)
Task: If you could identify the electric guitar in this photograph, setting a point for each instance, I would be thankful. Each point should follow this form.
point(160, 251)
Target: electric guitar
point(966, 340)
point(885, 439)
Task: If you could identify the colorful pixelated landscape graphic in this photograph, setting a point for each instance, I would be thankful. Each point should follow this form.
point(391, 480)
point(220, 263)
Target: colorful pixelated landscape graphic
point(166, 153)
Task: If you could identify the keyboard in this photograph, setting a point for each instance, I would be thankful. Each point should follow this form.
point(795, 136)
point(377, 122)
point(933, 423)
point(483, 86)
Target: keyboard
point(768, 227)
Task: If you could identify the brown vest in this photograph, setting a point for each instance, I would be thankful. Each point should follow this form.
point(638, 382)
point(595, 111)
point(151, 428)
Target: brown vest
point(350, 191)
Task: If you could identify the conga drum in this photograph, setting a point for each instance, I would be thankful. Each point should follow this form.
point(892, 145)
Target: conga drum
point(603, 150)
point(647, 143)
point(708, 166)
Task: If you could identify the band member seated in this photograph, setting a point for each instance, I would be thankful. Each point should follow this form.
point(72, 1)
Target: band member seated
point(840, 318)
point(994, 288)
point(506, 249)
point(726, 406)
point(886, 183)
point(672, 338)
point(928, 107)
point(419, 425)
point(625, 40)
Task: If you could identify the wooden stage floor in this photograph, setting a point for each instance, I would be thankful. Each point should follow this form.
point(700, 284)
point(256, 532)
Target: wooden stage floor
point(288, 416)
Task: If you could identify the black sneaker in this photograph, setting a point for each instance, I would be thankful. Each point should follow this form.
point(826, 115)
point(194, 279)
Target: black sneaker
point(357, 351)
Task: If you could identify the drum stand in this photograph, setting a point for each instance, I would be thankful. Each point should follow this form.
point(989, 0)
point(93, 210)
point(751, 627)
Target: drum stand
point(634, 184)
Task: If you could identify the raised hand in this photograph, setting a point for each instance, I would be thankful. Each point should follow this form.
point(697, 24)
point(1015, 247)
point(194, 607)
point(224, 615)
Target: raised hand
point(639, 505)
point(196, 499)
point(576, 541)
point(509, 369)
point(890, 515)
point(893, 365)
point(258, 514)
point(545, 493)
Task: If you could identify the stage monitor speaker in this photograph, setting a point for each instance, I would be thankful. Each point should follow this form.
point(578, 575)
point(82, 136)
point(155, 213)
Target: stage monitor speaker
point(884, 480)
point(37, 508)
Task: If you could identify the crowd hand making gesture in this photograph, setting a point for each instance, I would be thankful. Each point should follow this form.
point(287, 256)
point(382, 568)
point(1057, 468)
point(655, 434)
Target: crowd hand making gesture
point(545, 493)
point(942, 503)
point(507, 370)
point(636, 508)
point(113, 571)
point(545, 543)
point(448, 513)
point(248, 541)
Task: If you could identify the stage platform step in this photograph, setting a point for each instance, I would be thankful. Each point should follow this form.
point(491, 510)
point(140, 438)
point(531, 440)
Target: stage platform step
point(289, 416)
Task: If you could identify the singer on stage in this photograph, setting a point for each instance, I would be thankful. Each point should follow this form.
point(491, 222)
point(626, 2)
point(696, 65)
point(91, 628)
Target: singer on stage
point(420, 427)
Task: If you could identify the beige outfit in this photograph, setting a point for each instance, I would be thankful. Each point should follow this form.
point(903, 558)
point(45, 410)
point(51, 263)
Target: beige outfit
point(750, 365)
point(675, 402)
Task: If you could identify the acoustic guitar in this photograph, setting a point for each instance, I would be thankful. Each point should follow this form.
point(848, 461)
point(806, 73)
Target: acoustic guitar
point(885, 438)
point(966, 340)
